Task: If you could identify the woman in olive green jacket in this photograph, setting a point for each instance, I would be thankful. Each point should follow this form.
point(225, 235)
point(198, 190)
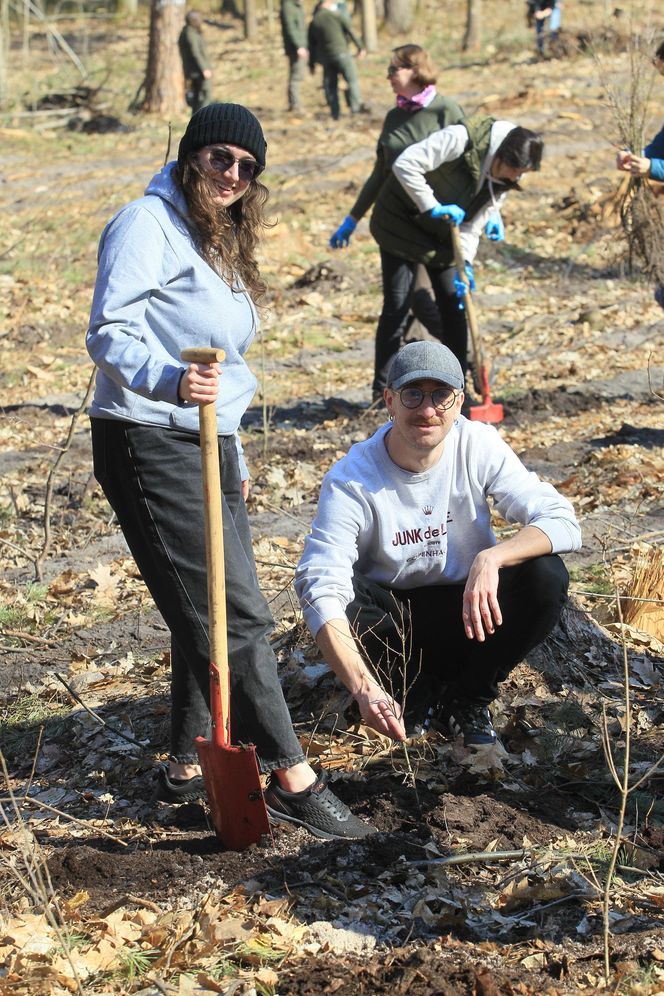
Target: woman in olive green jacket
point(420, 110)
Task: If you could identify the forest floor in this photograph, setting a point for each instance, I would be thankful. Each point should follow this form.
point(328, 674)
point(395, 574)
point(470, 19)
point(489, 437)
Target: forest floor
point(103, 890)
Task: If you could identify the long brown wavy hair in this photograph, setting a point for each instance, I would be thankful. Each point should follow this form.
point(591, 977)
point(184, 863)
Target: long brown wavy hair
point(227, 237)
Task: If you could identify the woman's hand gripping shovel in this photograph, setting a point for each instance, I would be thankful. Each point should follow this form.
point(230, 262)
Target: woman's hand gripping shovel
point(488, 411)
point(231, 774)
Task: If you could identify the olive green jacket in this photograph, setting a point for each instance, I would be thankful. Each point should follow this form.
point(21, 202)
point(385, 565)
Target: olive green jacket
point(404, 228)
point(329, 33)
point(195, 59)
point(293, 27)
point(402, 128)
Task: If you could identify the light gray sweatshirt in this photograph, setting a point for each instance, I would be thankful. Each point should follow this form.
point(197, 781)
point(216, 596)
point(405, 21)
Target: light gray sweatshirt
point(154, 296)
point(407, 530)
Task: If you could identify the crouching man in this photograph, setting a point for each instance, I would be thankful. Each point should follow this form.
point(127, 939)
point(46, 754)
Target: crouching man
point(414, 605)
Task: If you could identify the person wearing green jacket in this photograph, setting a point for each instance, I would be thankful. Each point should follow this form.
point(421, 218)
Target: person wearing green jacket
point(420, 110)
point(459, 175)
point(294, 34)
point(329, 33)
point(195, 61)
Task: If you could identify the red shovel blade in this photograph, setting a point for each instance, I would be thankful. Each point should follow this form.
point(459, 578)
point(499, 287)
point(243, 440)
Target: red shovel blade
point(233, 789)
point(489, 411)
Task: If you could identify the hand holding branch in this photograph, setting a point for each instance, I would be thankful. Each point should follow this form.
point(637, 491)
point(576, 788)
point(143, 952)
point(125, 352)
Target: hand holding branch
point(380, 711)
point(627, 162)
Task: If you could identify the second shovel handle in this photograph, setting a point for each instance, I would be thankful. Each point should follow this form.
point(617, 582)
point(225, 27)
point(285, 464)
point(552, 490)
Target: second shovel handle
point(469, 305)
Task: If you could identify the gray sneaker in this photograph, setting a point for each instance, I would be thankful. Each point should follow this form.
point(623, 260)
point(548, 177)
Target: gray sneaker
point(471, 720)
point(316, 809)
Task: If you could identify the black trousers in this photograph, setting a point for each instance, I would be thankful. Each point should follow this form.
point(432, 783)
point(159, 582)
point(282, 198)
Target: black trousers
point(423, 628)
point(398, 279)
point(152, 480)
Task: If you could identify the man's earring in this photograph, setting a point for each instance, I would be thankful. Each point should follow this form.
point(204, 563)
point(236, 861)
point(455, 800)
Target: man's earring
point(391, 418)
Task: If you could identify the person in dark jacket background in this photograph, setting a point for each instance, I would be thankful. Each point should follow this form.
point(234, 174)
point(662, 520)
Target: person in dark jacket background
point(539, 12)
point(195, 61)
point(294, 34)
point(329, 33)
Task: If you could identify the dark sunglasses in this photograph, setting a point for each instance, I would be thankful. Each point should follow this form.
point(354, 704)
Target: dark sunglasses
point(441, 399)
point(392, 70)
point(222, 160)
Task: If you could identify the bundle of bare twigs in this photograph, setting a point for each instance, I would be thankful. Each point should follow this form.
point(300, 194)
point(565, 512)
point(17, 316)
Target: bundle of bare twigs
point(642, 218)
point(643, 607)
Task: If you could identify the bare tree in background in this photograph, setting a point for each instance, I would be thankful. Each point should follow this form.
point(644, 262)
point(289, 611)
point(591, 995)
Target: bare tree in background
point(472, 38)
point(231, 7)
point(4, 48)
point(399, 15)
point(164, 79)
point(250, 22)
point(369, 32)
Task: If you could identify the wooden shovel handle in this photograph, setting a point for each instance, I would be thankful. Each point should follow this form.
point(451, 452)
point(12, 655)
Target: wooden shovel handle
point(469, 305)
point(214, 553)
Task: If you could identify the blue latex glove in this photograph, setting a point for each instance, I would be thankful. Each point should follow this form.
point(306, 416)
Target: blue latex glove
point(343, 233)
point(494, 228)
point(452, 212)
point(460, 286)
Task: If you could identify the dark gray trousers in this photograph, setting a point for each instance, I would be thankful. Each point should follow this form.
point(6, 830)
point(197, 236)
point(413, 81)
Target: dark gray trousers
point(152, 480)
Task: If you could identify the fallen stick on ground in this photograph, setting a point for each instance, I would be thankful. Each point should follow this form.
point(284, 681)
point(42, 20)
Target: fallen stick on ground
point(21, 800)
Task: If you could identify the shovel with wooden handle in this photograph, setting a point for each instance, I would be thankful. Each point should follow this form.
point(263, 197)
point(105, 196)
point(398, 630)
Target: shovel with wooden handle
point(488, 411)
point(232, 782)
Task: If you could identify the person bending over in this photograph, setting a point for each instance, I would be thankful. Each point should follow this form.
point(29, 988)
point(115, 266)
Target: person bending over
point(459, 175)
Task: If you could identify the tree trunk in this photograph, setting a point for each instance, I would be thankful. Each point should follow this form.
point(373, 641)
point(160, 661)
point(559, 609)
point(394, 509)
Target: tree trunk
point(164, 79)
point(369, 32)
point(250, 23)
point(472, 39)
point(4, 47)
point(399, 15)
point(231, 7)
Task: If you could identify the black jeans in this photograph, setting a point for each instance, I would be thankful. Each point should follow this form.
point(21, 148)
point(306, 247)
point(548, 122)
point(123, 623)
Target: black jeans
point(398, 280)
point(424, 627)
point(152, 480)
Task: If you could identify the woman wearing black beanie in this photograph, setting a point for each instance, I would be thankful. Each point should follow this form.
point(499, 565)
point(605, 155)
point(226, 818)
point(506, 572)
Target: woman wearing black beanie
point(177, 268)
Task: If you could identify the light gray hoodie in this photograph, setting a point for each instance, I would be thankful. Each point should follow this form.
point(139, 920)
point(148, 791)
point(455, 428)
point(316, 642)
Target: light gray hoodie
point(154, 296)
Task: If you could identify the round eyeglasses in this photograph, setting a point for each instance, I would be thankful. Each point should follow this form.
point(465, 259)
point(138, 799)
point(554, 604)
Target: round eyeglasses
point(441, 399)
point(222, 160)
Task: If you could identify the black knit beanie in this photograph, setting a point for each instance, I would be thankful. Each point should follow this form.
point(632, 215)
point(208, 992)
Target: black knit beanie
point(231, 123)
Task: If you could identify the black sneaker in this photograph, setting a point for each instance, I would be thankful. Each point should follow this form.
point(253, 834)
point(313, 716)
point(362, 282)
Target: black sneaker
point(178, 790)
point(471, 719)
point(316, 809)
